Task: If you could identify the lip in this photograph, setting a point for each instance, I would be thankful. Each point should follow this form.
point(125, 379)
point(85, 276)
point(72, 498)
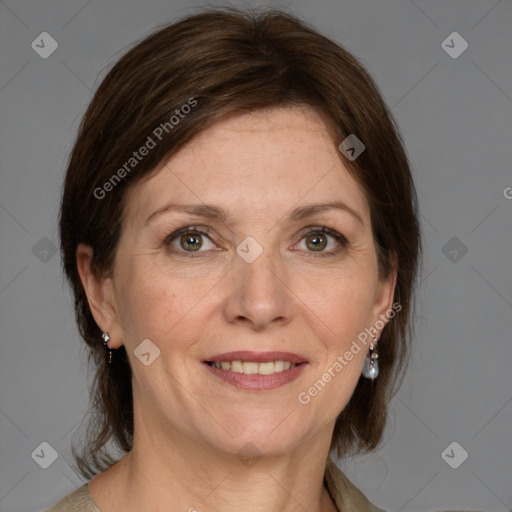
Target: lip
point(256, 357)
point(257, 382)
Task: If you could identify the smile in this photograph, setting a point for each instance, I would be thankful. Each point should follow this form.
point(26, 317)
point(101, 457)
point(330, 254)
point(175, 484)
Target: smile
point(255, 371)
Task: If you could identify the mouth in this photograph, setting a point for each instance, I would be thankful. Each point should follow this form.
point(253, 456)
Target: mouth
point(256, 371)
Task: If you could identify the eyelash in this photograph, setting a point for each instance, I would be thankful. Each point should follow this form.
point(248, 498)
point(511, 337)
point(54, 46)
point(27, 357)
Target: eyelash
point(342, 240)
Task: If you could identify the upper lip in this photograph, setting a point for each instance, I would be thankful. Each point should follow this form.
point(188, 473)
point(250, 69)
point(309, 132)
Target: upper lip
point(257, 357)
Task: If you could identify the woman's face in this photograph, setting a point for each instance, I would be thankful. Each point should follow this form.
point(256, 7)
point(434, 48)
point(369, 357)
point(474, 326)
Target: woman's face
point(263, 279)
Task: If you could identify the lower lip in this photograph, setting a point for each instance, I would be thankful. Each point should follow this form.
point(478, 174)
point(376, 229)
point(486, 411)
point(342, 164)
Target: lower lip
point(257, 382)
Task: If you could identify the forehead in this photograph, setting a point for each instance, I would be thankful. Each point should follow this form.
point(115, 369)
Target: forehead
point(273, 160)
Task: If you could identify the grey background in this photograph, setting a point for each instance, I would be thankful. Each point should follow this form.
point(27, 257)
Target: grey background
point(455, 116)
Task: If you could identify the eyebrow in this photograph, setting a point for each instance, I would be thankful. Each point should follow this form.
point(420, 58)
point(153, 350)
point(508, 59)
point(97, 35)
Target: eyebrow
point(217, 213)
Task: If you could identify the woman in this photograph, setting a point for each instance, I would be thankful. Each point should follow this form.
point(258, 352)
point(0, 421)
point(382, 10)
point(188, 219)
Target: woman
point(239, 229)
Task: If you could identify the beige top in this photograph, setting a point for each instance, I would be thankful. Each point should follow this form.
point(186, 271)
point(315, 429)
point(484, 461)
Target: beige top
point(346, 496)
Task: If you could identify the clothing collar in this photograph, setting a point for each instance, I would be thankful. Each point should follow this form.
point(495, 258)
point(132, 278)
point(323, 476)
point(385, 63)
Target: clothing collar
point(346, 496)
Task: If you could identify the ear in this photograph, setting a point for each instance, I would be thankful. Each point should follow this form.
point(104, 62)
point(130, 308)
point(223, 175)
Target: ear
point(383, 299)
point(100, 295)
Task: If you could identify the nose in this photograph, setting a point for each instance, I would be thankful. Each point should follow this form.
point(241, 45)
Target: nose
point(260, 292)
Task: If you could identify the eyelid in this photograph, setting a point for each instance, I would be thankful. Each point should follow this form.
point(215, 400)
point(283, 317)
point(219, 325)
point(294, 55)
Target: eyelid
point(201, 230)
point(325, 230)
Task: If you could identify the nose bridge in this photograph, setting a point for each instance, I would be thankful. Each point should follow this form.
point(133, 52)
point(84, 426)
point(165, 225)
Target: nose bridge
point(260, 292)
point(257, 265)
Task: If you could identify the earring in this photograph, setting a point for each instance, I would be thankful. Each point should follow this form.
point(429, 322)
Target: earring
point(106, 338)
point(371, 365)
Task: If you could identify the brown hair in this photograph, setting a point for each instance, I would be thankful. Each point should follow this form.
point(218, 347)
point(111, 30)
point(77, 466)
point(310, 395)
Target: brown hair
point(231, 61)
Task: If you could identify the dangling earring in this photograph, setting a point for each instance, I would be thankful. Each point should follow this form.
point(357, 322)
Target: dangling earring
point(106, 338)
point(371, 365)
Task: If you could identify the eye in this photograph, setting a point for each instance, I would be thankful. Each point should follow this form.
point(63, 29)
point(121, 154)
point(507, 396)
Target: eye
point(316, 239)
point(189, 240)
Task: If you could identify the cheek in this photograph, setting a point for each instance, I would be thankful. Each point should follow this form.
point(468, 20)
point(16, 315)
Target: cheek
point(342, 310)
point(343, 295)
point(160, 307)
point(145, 301)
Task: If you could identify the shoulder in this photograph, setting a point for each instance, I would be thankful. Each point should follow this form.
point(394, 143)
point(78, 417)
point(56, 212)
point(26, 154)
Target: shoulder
point(347, 497)
point(77, 501)
point(344, 493)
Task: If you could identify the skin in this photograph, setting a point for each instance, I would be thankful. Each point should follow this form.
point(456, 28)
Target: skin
point(190, 425)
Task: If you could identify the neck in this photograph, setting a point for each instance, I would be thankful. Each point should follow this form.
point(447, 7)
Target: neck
point(194, 477)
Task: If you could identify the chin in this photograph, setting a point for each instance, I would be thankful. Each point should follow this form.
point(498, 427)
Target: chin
point(256, 443)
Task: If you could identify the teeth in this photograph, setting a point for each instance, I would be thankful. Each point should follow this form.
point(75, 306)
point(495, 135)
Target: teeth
point(251, 368)
point(266, 368)
point(278, 366)
point(236, 366)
